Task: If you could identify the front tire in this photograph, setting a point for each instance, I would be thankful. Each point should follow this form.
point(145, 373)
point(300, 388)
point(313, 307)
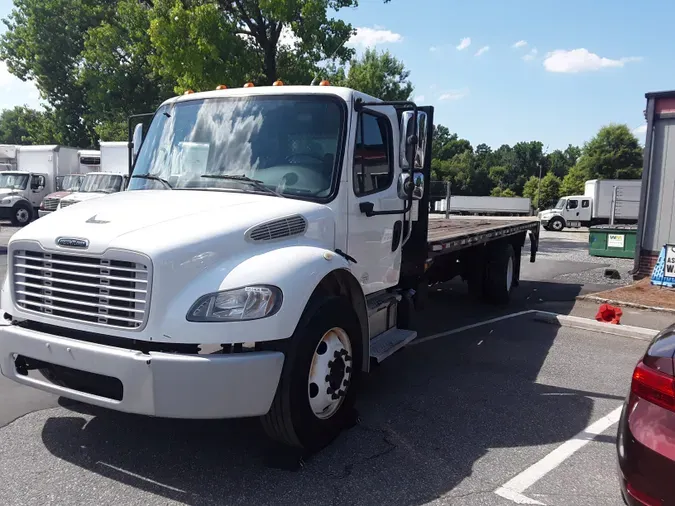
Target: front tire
point(316, 393)
point(557, 224)
point(22, 214)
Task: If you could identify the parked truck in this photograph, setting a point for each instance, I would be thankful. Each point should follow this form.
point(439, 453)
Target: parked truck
point(265, 279)
point(38, 167)
point(89, 161)
point(603, 200)
point(112, 178)
point(486, 206)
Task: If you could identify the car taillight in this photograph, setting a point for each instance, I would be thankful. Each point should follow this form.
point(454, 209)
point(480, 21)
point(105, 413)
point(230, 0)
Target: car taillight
point(654, 386)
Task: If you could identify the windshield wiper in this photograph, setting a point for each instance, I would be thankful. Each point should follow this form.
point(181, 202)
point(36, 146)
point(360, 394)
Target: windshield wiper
point(244, 179)
point(154, 177)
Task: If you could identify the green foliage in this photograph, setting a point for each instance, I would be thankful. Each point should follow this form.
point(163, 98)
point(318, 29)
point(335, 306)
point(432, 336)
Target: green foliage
point(499, 192)
point(574, 181)
point(23, 125)
point(378, 74)
point(614, 153)
point(549, 190)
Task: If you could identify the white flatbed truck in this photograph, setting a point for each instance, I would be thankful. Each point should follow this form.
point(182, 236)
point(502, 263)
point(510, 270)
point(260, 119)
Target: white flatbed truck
point(199, 293)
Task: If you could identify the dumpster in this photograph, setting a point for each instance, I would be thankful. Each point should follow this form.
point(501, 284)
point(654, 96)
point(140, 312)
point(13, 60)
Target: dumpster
point(616, 241)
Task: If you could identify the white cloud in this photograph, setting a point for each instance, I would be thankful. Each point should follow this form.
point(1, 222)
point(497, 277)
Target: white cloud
point(519, 44)
point(641, 130)
point(454, 94)
point(464, 43)
point(15, 91)
point(581, 60)
point(419, 98)
point(368, 37)
point(482, 50)
point(531, 55)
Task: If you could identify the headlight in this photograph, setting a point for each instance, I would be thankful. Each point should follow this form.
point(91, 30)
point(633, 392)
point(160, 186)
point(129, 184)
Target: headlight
point(7, 200)
point(248, 303)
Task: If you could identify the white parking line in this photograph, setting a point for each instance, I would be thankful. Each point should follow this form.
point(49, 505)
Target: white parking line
point(421, 340)
point(514, 488)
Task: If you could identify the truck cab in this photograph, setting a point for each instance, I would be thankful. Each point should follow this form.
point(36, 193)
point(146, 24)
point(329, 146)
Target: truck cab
point(574, 211)
point(270, 242)
point(20, 194)
point(95, 185)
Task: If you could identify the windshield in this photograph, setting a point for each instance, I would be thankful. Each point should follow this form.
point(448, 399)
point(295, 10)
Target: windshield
point(290, 143)
point(560, 204)
point(13, 180)
point(105, 183)
point(69, 183)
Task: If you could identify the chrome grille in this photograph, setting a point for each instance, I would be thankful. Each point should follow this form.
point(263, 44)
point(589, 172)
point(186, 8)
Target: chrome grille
point(286, 227)
point(66, 203)
point(81, 288)
point(51, 204)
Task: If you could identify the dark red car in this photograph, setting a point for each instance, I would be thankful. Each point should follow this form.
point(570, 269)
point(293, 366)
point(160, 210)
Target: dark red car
point(646, 437)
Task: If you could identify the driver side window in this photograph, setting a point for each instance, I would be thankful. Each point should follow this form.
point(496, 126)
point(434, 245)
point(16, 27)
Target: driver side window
point(373, 168)
point(37, 182)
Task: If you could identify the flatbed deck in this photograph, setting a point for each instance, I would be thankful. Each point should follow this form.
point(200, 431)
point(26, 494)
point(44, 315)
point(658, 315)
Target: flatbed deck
point(453, 234)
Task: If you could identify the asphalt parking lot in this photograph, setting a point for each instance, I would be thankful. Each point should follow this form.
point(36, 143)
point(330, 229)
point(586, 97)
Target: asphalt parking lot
point(451, 419)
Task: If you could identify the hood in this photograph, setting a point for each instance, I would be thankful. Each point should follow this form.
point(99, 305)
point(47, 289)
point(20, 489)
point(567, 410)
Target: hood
point(82, 196)
point(156, 221)
point(58, 195)
point(5, 192)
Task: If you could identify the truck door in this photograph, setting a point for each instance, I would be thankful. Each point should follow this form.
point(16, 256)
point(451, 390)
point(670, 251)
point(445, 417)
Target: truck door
point(585, 210)
point(374, 241)
point(37, 189)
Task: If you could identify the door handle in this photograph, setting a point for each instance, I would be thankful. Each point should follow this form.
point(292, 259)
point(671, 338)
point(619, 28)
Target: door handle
point(396, 235)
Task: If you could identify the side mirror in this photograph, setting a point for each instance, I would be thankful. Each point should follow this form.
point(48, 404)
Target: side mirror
point(137, 139)
point(410, 184)
point(411, 153)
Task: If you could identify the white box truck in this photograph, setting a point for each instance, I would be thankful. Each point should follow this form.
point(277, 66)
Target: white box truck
point(89, 161)
point(38, 167)
point(491, 206)
point(264, 280)
point(112, 178)
point(8, 154)
point(603, 200)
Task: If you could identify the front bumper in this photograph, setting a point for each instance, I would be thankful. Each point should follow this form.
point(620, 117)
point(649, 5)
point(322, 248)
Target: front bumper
point(42, 212)
point(5, 213)
point(159, 384)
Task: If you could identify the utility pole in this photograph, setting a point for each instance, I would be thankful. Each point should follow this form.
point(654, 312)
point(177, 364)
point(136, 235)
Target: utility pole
point(539, 185)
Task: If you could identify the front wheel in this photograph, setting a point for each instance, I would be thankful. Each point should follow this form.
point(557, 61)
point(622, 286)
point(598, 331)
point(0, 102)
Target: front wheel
point(316, 394)
point(556, 224)
point(22, 213)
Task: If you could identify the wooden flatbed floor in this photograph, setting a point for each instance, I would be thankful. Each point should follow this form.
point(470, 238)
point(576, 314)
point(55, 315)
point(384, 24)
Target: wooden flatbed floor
point(456, 233)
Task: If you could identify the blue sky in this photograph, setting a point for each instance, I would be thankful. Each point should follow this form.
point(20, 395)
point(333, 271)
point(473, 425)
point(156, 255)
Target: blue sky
point(579, 64)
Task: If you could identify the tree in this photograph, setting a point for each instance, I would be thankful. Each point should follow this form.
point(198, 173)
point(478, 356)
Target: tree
point(498, 192)
point(22, 125)
point(380, 75)
point(446, 146)
point(116, 73)
point(43, 42)
point(574, 181)
point(614, 153)
point(550, 190)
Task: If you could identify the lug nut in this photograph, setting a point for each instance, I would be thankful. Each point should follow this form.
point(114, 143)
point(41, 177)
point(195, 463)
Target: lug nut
point(345, 383)
point(329, 390)
point(348, 369)
point(335, 397)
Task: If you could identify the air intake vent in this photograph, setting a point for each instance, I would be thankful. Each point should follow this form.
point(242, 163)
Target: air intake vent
point(278, 229)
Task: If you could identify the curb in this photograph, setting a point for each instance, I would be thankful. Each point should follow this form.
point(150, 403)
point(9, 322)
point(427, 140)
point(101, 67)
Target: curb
point(577, 322)
point(615, 302)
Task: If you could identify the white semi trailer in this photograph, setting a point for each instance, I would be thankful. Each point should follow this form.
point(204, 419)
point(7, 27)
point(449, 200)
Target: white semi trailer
point(254, 267)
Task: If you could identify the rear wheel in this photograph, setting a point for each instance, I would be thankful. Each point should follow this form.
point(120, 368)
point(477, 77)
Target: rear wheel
point(22, 213)
point(317, 390)
point(501, 273)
